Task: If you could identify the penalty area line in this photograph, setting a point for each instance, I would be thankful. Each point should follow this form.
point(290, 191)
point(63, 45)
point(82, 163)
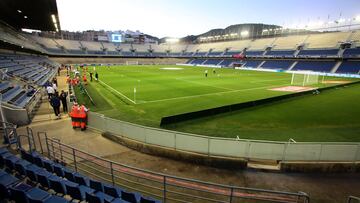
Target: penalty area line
point(117, 92)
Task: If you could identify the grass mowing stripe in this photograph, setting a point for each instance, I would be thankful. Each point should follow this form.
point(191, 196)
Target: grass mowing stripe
point(201, 95)
point(117, 92)
point(199, 83)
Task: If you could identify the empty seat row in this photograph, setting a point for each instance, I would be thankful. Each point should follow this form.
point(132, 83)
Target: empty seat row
point(65, 181)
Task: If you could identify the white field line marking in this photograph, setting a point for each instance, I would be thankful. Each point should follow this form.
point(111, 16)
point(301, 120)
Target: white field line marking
point(201, 95)
point(199, 83)
point(117, 92)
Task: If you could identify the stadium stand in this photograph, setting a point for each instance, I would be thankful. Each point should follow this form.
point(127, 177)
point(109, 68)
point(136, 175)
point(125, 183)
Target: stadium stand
point(277, 64)
point(92, 47)
point(352, 52)
point(252, 63)
point(280, 53)
point(41, 172)
point(228, 62)
point(326, 40)
point(48, 44)
point(71, 46)
point(254, 53)
point(319, 52)
point(239, 45)
point(289, 42)
point(261, 44)
point(352, 67)
point(317, 66)
point(212, 61)
point(355, 37)
point(141, 50)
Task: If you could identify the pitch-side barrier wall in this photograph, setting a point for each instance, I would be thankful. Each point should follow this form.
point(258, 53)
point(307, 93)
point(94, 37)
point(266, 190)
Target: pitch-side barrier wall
point(225, 147)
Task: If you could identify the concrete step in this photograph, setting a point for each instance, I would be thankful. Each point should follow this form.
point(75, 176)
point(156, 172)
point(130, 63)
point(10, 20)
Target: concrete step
point(264, 165)
point(48, 117)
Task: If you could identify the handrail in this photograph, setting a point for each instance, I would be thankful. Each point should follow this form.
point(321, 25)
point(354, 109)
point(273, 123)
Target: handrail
point(174, 181)
point(352, 198)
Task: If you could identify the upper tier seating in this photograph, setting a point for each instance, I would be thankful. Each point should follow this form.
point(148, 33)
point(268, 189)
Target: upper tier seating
point(319, 52)
point(326, 40)
point(289, 42)
point(254, 53)
point(280, 53)
point(93, 46)
point(352, 67)
point(318, 66)
point(261, 44)
point(356, 38)
point(69, 44)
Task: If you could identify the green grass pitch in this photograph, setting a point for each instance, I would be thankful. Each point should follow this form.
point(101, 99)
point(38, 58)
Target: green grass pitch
point(162, 90)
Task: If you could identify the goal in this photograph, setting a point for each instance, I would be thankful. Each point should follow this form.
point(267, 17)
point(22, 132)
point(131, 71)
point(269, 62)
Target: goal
point(304, 79)
point(132, 63)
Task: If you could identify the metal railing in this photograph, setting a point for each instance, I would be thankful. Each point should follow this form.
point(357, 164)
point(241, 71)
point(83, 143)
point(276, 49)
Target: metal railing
point(157, 185)
point(353, 199)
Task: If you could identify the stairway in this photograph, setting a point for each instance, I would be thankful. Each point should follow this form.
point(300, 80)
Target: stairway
point(334, 69)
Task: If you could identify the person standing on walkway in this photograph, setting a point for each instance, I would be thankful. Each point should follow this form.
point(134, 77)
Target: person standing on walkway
point(50, 90)
point(55, 103)
point(63, 96)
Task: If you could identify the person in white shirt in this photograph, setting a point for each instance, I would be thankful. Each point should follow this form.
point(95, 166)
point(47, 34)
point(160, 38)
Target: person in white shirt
point(54, 87)
point(50, 90)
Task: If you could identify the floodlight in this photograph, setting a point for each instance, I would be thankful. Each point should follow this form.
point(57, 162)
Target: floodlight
point(19, 11)
point(53, 18)
point(244, 33)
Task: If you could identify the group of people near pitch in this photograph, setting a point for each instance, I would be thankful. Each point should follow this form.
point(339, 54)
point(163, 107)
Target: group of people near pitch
point(78, 116)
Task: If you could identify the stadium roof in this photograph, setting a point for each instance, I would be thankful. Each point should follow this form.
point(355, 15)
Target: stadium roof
point(30, 14)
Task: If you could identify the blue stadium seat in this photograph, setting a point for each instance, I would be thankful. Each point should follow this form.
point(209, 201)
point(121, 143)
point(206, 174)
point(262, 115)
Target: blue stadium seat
point(10, 162)
point(43, 178)
point(81, 179)
point(36, 195)
point(21, 165)
point(18, 192)
point(96, 185)
point(77, 191)
point(131, 197)
point(98, 197)
point(3, 157)
point(31, 172)
point(50, 199)
point(113, 191)
point(6, 180)
point(57, 184)
point(69, 174)
point(59, 170)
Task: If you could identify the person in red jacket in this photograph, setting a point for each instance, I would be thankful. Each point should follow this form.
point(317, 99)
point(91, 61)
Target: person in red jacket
point(74, 114)
point(83, 116)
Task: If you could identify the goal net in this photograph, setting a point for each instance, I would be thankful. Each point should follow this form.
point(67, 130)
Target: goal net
point(132, 63)
point(304, 79)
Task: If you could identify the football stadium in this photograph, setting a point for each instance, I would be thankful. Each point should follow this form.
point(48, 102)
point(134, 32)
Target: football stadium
point(264, 109)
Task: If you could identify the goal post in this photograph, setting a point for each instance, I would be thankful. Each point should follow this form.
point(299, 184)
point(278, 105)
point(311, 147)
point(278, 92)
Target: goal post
point(132, 62)
point(303, 79)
